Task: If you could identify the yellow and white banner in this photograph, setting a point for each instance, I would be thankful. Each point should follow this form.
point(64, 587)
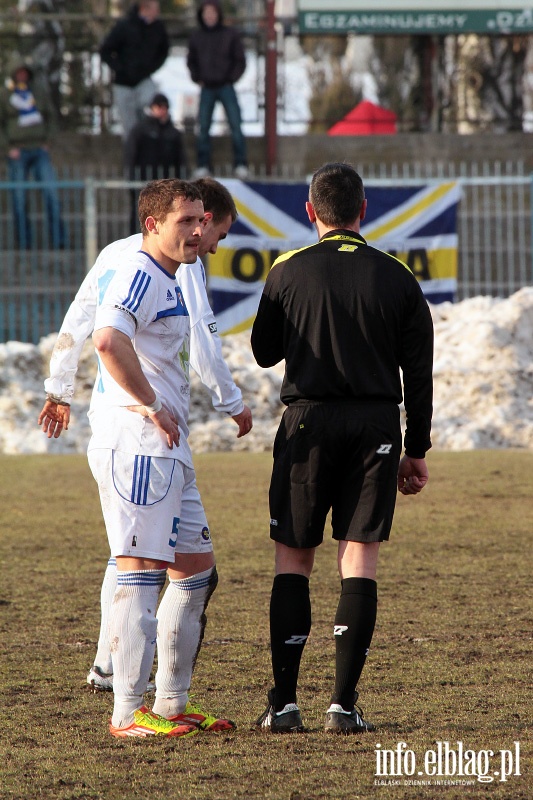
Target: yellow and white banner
point(418, 224)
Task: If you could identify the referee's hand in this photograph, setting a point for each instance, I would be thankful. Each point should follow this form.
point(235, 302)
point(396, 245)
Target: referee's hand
point(412, 475)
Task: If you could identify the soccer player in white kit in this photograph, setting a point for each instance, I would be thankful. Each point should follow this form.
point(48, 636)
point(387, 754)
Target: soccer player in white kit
point(193, 587)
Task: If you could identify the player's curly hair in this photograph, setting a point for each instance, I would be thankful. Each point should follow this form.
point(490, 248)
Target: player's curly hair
point(157, 198)
point(336, 194)
point(216, 199)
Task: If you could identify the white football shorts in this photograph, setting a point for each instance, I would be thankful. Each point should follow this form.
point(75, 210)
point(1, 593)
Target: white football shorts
point(151, 506)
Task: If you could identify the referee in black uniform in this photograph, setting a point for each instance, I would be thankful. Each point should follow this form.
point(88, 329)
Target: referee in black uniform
point(346, 318)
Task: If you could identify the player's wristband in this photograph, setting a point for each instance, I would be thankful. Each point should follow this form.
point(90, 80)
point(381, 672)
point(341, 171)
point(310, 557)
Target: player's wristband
point(154, 407)
point(57, 400)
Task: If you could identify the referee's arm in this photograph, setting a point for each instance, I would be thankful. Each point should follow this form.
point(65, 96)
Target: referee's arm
point(267, 330)
point(417, 367)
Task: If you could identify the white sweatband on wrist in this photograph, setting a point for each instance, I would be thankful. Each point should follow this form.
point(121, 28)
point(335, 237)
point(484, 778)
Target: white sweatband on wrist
point(154, 407)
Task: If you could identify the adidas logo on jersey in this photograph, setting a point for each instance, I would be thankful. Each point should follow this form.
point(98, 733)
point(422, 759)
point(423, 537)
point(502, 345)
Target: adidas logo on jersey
point(170, 296)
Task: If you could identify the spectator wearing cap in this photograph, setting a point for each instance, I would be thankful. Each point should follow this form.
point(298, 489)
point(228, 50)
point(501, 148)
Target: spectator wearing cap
point(27, 123)
point(154, 149)
point(135, 48)
point(216, 61)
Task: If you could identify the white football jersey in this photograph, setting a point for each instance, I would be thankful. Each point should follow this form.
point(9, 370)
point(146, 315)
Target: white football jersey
point(144, 302)
point(206, 349)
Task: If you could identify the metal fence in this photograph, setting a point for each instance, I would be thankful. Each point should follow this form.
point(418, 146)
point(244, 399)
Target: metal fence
point(39, 281)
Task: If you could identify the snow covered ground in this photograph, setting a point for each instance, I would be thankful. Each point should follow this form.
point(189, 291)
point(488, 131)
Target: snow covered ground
point(483, 386)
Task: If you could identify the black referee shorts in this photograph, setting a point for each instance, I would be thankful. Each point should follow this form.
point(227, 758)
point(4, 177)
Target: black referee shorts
point(341, 456)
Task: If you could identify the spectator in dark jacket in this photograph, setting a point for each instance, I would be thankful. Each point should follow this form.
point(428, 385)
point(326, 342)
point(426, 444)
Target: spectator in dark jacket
point(135, 48)
point(216, 61)
point(154, 149)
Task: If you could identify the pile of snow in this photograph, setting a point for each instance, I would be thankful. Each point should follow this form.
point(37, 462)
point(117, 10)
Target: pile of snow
point(483, 386)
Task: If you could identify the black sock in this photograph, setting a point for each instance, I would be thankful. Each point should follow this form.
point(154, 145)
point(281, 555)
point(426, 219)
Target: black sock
point(290, 623)
point(354, 626)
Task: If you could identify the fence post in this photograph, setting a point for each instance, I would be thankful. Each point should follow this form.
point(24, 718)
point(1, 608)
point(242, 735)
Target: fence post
point(91, 227)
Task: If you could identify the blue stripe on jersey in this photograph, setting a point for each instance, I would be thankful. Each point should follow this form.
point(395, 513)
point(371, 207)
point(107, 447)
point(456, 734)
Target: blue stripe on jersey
point(137, 291)
point(100, 383)
point(157, 264)
point(103, 282)
point(152, 577)
point(179, 310)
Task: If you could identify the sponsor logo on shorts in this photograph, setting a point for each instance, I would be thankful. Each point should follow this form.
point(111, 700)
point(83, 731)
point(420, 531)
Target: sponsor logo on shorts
point(384, 449)
point(206, 536)
point(134, 542)
point(212, 327)
point(338, 630)
point(274, 522)
point(184, 390)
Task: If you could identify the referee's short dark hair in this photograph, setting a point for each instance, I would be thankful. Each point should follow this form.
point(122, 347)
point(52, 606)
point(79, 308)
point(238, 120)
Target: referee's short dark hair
point(336, 194)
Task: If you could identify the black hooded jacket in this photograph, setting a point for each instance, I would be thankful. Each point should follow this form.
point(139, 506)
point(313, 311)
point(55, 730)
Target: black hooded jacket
point(216, 55)
point(135, 49)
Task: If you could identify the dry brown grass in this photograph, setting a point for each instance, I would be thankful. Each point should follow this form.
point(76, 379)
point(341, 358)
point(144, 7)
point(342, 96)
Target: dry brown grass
point(449, 661)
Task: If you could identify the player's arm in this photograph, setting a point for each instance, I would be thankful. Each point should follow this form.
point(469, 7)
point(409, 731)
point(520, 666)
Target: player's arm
point(244, 421)
point(120, 359)
point(77, 326)
point(206, 357)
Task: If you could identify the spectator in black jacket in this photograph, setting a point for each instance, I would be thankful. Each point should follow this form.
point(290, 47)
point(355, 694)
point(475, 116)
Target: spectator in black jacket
point(154, 149)
point(216, 61)
point(135, 48)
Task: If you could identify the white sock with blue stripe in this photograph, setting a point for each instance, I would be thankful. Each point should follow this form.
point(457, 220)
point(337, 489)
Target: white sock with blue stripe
point(132, 632)
point(180, 626)
point(103, 653)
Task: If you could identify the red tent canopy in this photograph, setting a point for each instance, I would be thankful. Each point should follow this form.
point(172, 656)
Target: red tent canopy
point(365, 119)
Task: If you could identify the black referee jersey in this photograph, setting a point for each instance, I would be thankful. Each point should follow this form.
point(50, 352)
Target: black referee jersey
point(345, 317)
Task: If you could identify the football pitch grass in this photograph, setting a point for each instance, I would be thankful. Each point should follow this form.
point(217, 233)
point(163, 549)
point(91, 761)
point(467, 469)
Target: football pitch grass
point(449, 668)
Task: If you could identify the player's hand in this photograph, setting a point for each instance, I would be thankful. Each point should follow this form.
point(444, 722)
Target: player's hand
point(54, 417)
point(244, 421)
point(167, 423)
point(412, 475)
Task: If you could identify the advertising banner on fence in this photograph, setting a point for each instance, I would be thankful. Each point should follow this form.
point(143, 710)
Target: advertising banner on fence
point(402, 17)
point(418, 224)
